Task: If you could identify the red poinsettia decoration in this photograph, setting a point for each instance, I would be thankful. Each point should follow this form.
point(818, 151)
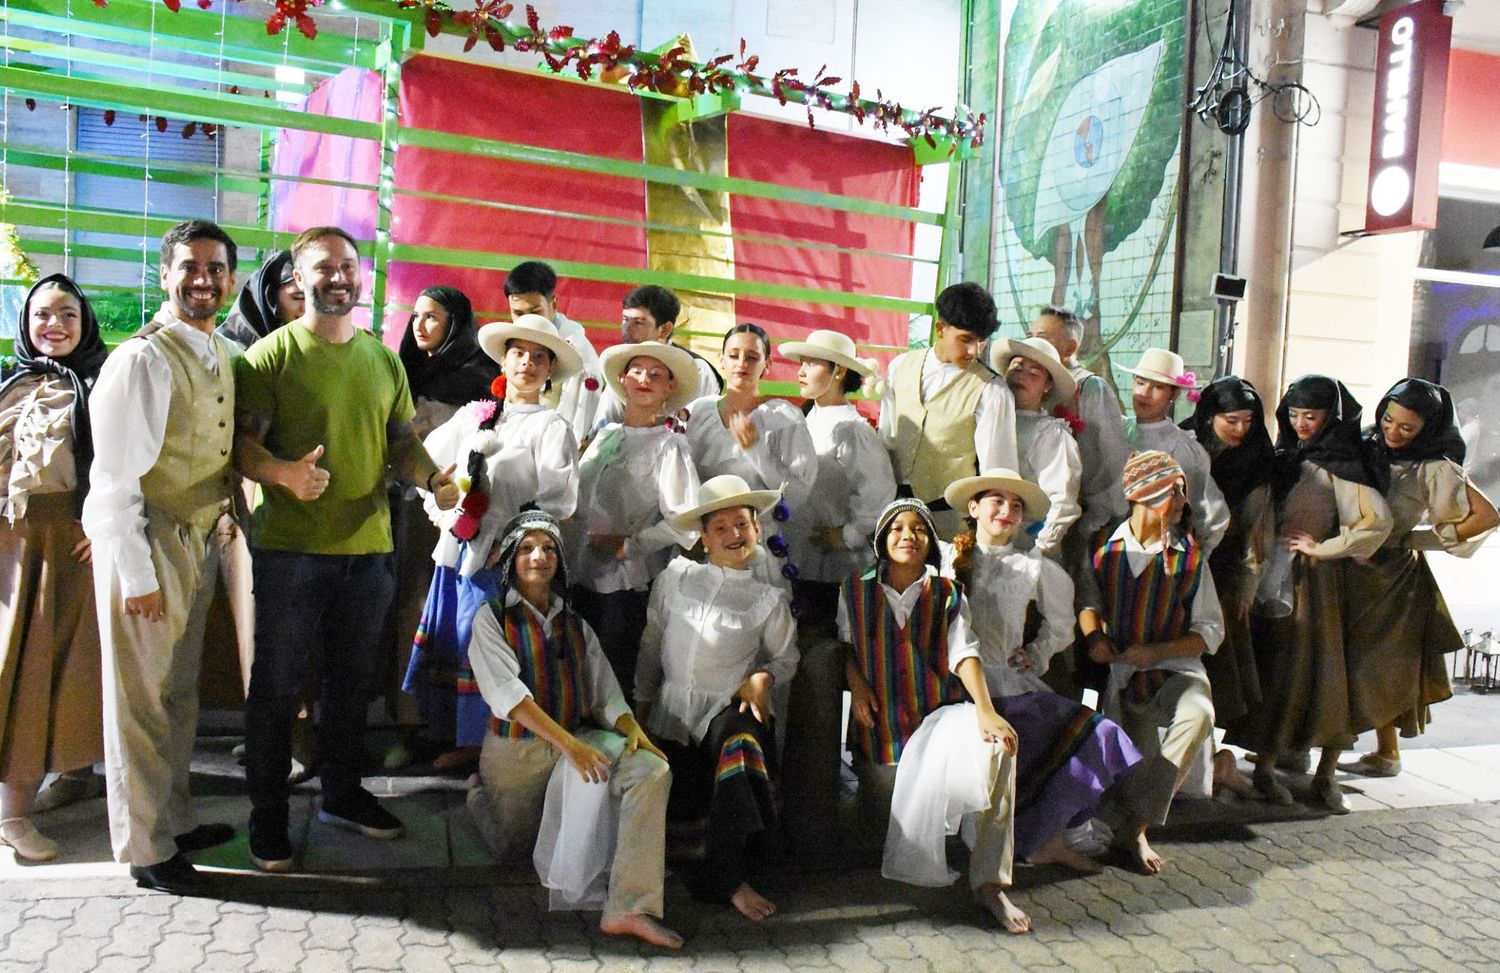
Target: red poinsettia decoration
point(1074, 420)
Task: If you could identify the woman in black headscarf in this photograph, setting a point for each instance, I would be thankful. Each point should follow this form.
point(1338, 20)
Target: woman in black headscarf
point(1398, 640)
point(50, 697)
point(270, 298)
point(445, 366)
point(446, 369)
point(1330, 510)
point(1230, 424)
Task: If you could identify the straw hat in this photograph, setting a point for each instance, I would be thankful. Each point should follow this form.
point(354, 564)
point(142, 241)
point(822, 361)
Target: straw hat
point(1166, 367)
point(616, 359)
point(833, 346)
point(1039, 350)
point(1035, 502)
point(566, 362)
point(721, 493)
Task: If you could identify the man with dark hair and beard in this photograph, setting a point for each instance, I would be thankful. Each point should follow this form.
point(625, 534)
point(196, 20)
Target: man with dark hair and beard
point(334, 400)
point(161, 416)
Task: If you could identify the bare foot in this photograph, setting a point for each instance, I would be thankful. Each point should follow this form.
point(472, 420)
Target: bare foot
point(1229, 777)
point(752, 905)
point(1140, 850)
point(642, 927)
point(1011, 919)
point(1057, 852)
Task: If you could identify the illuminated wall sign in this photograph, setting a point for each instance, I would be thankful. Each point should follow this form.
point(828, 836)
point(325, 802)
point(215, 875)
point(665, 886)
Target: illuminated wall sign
point(1411, 83)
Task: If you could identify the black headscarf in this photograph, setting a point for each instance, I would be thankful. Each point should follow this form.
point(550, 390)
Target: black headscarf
point(1337, 447)
point(1439, 438)
point(80, 366)
point(458, 371)
point(1236, 469)
point(256, 312)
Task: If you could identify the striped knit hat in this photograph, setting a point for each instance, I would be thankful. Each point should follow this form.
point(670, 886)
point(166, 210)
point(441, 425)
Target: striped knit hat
point(883, 525)
point(516, 530)
point(1150, 476)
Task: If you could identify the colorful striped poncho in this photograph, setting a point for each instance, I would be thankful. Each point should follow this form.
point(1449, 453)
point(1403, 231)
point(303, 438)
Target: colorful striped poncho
point(551, 666)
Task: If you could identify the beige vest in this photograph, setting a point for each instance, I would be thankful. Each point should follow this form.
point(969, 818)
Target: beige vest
point(191, 479)
point(934, 443)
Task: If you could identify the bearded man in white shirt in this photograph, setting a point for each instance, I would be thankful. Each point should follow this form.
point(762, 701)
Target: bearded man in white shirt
point(163, 421)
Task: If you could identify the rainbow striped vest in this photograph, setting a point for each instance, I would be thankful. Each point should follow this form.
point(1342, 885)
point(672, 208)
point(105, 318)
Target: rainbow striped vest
point(907, 668)
point(1157, 605)
point(551, 666)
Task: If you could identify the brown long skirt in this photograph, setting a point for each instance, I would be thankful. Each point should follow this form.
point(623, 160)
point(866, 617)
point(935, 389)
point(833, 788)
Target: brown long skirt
point(50, 698)
point(1301, 661)
point(1232, 672)
point(1397, 641)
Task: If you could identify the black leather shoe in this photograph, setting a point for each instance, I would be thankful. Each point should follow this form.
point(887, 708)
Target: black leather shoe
point(204, 836)
point(176, 875)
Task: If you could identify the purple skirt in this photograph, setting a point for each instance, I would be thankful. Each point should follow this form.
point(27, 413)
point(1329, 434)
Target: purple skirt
point(1068, 757)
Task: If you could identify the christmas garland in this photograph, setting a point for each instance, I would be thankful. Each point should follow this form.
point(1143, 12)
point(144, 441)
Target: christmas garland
point(672, 73)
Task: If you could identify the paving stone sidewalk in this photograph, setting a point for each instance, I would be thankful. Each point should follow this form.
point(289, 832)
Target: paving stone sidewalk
point(1382, 890)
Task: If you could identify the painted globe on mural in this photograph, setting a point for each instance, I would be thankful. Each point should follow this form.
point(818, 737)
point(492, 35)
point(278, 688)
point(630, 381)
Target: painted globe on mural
point(1088, 141)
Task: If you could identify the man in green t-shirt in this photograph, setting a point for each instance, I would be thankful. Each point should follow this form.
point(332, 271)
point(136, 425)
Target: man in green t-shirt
point(335, 398)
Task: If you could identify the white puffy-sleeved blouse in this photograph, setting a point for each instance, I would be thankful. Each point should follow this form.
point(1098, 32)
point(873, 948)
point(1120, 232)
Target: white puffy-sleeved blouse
point(782, 454)
point(707, 629)
point(853, 485)
point(1003, 582)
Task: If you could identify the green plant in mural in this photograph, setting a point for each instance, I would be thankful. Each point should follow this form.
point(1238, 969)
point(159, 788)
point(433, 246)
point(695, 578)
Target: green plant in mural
point(1090, 121)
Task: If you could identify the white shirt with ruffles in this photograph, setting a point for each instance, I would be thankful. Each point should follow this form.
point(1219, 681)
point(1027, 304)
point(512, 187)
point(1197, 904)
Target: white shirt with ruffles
point(1004, 581)
point(632, 480)
point(1049, 458)
point(36, 430)
point(783, 452)
point(530, 456)
point(853, 485)
point(707, 629)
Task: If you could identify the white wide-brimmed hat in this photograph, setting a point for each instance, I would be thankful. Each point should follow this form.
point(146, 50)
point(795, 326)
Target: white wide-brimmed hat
point(1039, 350)
point(617, 358)
point(833, 346)
point(566, 362)
point(1166, 367)
point(721, 493)
point(1034, 501)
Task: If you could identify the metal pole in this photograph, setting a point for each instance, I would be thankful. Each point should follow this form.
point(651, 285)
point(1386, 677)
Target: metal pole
point(1239, 24)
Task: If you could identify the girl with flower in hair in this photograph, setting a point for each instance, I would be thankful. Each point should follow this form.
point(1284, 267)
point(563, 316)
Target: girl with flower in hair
point(567, 776)
point(513, 451)
point(633, 478)
point(1402, 632)
point(933, 755)
point(51, 702)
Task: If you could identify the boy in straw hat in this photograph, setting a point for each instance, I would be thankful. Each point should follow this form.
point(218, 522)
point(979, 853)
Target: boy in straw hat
point(1150, 611)
point(1049, 457)
point(1160, 377)
point(830, 539)
point(635, 475)
point(553, 698)
point(932, 761)
point(649, 313)
point(514, 450)
point(716, 642)
point(531, 288)
point(945, 414)
point(1101, 440)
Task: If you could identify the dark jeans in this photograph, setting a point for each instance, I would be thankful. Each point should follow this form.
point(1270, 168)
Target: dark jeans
point(334, 605)
point(618, 619)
